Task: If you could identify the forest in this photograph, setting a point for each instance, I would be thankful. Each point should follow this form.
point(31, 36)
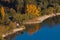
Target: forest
point(27, 9)
point(17, 11)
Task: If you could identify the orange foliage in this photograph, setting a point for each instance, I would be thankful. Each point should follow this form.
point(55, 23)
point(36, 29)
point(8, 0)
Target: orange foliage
point(2, 13)
point(32, 9)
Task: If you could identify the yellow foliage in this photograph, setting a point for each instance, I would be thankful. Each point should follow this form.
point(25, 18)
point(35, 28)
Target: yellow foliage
point(32, 9)
point(2, 13)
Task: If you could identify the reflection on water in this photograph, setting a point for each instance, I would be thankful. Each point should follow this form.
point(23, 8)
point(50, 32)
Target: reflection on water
point(44, 33)
point(48, 30)
point(32, 28)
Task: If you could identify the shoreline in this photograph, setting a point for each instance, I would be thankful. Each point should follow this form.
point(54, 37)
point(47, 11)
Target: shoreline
point(14, 31)
point(37, 20)
point(40, 19)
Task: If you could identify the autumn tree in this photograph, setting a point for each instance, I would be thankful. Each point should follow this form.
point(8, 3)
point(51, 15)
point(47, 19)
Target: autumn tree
point(2, 13)
point(32, 9)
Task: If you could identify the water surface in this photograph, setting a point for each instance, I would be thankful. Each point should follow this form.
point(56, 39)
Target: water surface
point(45, 33)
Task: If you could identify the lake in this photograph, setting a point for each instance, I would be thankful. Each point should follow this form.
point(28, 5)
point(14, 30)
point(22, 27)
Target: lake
point(45, 33)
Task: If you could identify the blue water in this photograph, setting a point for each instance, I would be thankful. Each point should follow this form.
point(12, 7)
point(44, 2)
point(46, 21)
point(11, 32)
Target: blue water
point(45, 33)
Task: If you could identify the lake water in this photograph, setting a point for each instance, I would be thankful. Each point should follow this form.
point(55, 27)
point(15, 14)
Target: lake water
point(45, 33)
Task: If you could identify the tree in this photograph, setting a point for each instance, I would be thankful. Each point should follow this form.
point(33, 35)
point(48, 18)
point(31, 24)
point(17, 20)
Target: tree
point(6, 19)
point(20, 5)
point(32, 9)
point(18, 17)
point(2, 13)
point(50, 10)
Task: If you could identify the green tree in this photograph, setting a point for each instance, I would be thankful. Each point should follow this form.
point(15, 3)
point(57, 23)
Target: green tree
point(50, 10)
point(12, 12)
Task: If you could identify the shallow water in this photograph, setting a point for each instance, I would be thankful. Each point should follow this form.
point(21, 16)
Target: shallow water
point(45, 33)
